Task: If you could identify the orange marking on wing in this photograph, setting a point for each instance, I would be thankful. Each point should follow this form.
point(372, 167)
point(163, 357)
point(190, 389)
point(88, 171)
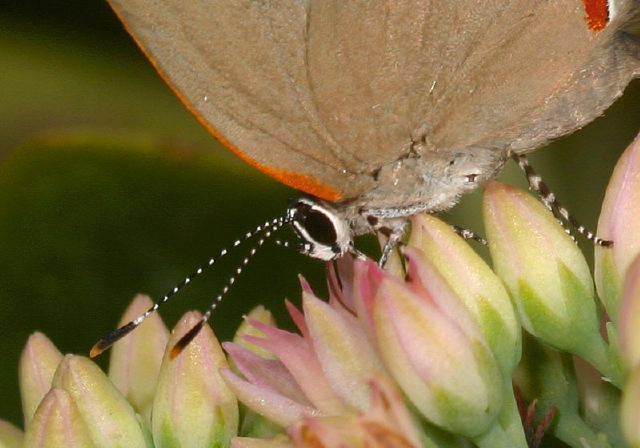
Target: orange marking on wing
point(597, 14)
point(301, 182)
point(293, 179)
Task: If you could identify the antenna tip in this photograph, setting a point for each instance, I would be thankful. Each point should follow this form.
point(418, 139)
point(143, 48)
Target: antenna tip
point(175, 351)
point(186, 339)
point(112, 337)
point(96, 350)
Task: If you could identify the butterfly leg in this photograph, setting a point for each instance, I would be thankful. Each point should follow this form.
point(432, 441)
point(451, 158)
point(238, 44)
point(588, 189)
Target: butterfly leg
point(551, 202)
point(468, 234)
point(394, 233)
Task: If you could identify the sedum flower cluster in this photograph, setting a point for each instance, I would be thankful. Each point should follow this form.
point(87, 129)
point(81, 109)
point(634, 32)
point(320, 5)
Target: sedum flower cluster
point(439, 349)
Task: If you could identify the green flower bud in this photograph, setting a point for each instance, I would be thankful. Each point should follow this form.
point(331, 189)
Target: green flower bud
point(109, 418)
point(545, 273)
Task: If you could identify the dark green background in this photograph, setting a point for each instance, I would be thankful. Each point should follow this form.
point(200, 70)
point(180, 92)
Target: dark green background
point(108, 187)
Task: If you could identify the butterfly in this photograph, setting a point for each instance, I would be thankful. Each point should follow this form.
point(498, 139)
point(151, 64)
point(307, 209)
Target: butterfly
point(381, 109)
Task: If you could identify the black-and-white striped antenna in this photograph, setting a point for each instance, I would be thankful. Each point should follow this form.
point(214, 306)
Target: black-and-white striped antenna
point(193, 332)
point(267, 229)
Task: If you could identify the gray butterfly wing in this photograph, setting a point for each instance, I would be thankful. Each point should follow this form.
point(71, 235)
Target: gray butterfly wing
point(241, 67)
point(492, 74)
point(321, 93)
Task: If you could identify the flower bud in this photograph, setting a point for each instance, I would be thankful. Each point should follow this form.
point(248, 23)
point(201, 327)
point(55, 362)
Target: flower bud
point(545, 273)
point(347, 358)
point(629, 324)
point(57, 423)
point(10, 436)
point(248, 442)
point(619, 223)
point(253, 425)
point(38, 362)
point(297, 355)
point(385, 423)
point(436, 352)
point(265, 401)
point(473, 281)
point(258, 314)
point(630, 411)
point(193, 406)
point(135, 360)
point(109, 418)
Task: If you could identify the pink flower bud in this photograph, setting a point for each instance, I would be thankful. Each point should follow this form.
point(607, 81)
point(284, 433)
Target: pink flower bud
point(38, 363)
point(473, 281)
point(619, 222)
point(135, 360)
point(10, 436)
point(629, 324)
point(193, 406)
point(436, 352)
point(108, 417)
point(58, 423)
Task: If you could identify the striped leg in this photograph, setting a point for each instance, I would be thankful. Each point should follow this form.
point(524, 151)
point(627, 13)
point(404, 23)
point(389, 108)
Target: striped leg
point(469, 235)
point(394, 236)
point(551, 202)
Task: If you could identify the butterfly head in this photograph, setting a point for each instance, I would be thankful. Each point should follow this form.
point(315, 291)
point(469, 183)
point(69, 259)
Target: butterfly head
point(323, 231)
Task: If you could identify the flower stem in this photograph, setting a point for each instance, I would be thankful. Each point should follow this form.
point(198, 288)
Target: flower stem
point(497, 437)
point(509, 419)
point(597, 354)
point(573, 431)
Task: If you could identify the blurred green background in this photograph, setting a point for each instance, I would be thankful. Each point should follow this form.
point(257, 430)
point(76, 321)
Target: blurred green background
point(108, 187)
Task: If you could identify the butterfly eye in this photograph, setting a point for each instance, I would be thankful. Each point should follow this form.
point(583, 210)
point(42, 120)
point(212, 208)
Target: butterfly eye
point(471, 178)
point(323, 233)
